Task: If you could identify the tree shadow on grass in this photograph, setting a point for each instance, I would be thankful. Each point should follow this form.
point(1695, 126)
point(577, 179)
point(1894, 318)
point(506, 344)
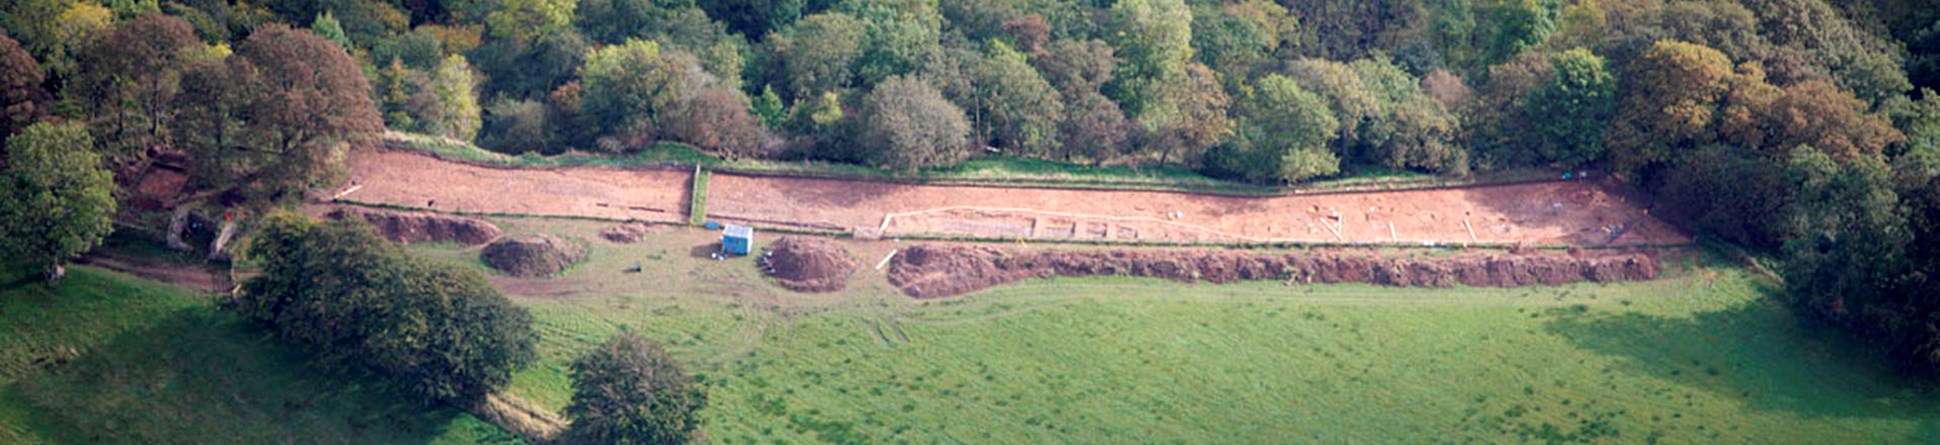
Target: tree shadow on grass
point(1758, 352)
point(202, 377)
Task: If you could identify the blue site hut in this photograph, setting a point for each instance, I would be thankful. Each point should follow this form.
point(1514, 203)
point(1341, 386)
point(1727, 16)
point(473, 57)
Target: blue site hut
point(737, 240)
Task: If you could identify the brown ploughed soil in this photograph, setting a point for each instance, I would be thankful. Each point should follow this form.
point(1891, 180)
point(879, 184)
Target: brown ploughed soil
point(1579, 212)
point(1559, 212)
point(419, 181)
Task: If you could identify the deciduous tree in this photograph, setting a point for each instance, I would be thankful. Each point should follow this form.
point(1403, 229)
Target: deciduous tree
point(1021, 110)
point(458, 111)
point(909, 125)
point(298, 104)
point(1574, 107)
point(128, 80)
point(356, 301)
point(55, 195)
point(817, 54)
point(22, 99)
point(628, 390)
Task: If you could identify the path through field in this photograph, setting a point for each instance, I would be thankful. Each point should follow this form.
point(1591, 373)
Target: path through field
point(1576, 213)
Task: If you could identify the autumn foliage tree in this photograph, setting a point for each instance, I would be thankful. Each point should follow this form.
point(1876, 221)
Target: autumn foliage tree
point(127, 82)
point(280, 115)
point(22, 99)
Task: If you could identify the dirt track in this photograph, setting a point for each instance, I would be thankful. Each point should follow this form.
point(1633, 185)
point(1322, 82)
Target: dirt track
point(1578, 213)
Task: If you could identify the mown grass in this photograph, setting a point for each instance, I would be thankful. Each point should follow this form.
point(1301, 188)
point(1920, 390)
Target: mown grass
point(992, 170)
point(1702, 356)
point(697, 198)
point(106, 358)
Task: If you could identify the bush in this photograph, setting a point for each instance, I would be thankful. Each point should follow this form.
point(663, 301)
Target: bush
point(629, 391)
point(357, 301)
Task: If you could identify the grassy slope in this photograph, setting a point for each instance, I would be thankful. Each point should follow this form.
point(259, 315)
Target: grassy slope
point(157, 364)
point(1700, 357)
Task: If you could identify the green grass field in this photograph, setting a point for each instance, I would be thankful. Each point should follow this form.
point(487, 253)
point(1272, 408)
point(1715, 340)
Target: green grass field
point(106, 358)
point(1701, 356)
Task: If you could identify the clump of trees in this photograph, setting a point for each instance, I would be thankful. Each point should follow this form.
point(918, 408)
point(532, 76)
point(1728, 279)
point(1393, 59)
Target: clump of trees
point(358, 302)
point(628, 390)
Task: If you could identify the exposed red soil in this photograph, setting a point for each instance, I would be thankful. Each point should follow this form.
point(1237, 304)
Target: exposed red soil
point(422, 227)
point(807, 264)
point(1573, 212)
point(934, 271)
point(1577, 212)
point(419, 181)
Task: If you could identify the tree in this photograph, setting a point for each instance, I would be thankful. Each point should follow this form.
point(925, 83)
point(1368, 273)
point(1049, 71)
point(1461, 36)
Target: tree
point(517, 126)
point(896, 41)
point(628, 390)
point(633, 89)
point(1350, 101)
point(1818, 113)
point(22, 100)
point(1154, 41)
point(1093, 128)
point(1512, 26)
point(1574, 107)
point(755, 18)
point(527, 20)
point(718, 120)
point(817, 54)
point(1200, 121)
point(55, 195)
point(1021, 108)
point(768, 107)
point(298, 103)
point(1736, 193)
point(56, 32)
point(357, 301)
point(522, 69)
point(1850, 259)
point(1287, 116)
point(326, 25)
point(1670, 102)
point(1075, 66)
point(128, 80)
point(457, 104)
point(909, 125)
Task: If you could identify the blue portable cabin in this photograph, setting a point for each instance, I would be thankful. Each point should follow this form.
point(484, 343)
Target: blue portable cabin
point(737, 240)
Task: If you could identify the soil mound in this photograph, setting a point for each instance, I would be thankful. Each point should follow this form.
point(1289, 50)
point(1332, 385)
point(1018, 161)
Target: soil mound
point(626, 233)
point(941, 271)
point(808, 264)
point(420, 227)
point(533, 256)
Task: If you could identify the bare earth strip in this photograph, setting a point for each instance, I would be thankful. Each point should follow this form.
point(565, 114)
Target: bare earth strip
point(1577, 212)
point(419, 181)
point(1544, 213)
